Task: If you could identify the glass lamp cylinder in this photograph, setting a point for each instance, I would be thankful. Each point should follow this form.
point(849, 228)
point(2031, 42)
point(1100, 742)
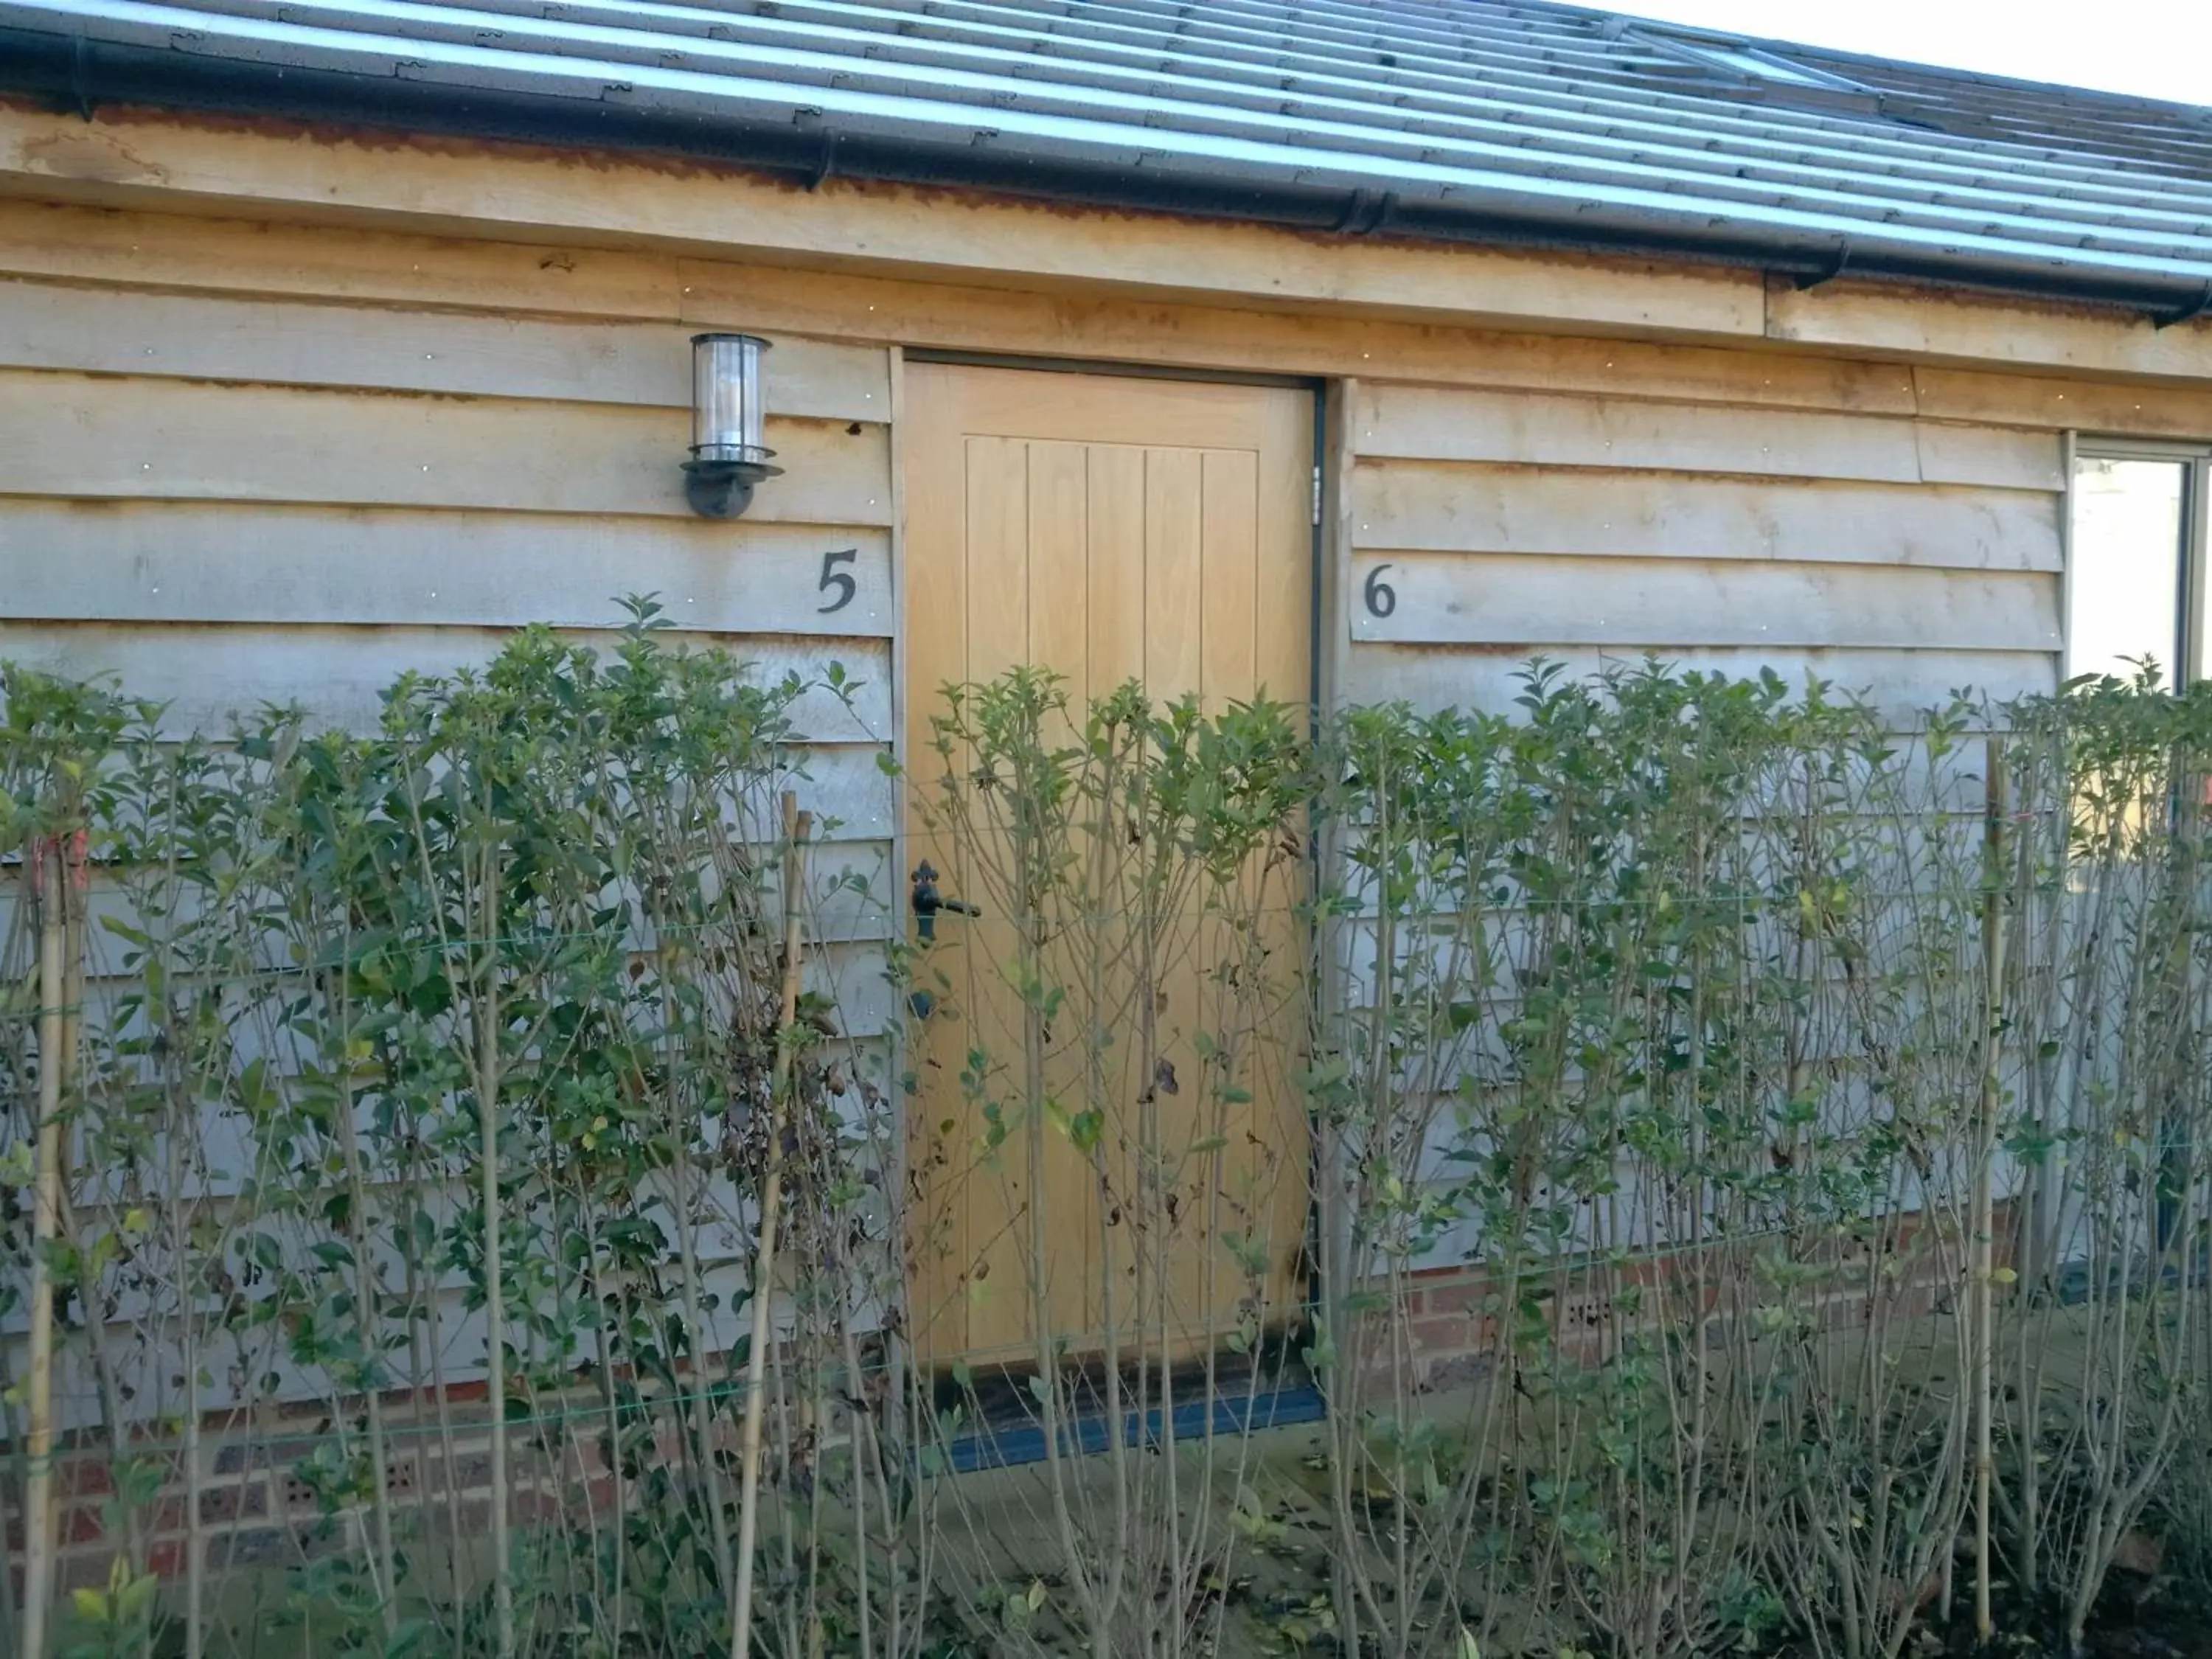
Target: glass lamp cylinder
point(727, 416)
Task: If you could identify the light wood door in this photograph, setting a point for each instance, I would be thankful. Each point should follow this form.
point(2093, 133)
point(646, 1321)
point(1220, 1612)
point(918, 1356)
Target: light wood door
point(1108, 529)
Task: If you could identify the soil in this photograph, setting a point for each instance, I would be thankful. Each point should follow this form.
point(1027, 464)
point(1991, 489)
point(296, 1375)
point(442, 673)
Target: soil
point(2140, 1616)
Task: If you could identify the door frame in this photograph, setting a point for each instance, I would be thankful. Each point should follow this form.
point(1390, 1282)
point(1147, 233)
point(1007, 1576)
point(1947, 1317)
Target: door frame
point(1328, 559)
point(1125, 371)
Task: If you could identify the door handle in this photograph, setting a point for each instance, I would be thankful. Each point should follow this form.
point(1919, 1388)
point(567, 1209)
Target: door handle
point(928, 903)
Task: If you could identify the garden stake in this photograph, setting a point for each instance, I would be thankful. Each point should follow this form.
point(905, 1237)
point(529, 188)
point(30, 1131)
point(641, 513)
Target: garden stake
point(1993, 954)
point(56, 934)
point(487, 1084)
point(796, 826)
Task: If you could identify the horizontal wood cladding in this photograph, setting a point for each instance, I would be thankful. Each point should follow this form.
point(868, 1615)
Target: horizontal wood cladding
point(249, 460)
point(122, 330)
point(523, 283)
point(1437, 423)
point(1489, 599)
point(1938, 323)
point(289, 493)
point(1896, 555)
point(174, 560)
point(850, 898)
point(203, 675)
point(851, 972)
point(248, 261)
point(1447, 507)
point(117, 438)
point(2117, 407)
point(150, 251)
point(223, 498)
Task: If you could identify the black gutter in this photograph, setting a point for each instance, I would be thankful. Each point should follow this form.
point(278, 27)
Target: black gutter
point(77, 75)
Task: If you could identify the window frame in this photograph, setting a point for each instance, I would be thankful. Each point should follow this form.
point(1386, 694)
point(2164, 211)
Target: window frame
point(2191, 646)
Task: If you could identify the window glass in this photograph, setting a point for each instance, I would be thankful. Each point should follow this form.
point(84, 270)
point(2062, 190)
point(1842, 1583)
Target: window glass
point(2125, 602)
point(1765, 69)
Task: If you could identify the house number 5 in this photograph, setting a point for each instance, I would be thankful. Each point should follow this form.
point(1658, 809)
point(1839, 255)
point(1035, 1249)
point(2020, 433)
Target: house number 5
point(840, 583)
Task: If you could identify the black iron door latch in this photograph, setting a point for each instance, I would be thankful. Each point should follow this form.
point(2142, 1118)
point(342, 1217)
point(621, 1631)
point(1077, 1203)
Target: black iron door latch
point(928, 903)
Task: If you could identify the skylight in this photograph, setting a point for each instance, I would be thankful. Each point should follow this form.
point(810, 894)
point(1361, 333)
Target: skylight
point(1738, 57)
point(1763, 67)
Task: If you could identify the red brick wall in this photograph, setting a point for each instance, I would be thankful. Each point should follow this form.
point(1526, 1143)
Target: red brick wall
point(1452, 1314)
point(257, 1510)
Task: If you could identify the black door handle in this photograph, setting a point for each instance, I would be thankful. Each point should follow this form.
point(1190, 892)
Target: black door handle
point(928, 903)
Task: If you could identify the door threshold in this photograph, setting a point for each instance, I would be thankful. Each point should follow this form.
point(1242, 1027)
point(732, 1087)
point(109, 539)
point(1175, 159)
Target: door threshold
point(1239, 1405)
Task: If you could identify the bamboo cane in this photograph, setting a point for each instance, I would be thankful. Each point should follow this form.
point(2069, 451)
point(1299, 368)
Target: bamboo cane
point(55, 934)
point(796, 826)
point(1985, 1224)
point(487, 1084)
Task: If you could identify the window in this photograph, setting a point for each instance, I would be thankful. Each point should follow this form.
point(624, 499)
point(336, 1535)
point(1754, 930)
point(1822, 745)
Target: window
point(1739, 58)
point(2136, 584)
point(1759, 66)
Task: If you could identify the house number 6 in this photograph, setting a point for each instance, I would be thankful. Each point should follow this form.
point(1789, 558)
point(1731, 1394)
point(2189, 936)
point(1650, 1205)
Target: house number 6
point(838, 582)
point(1381, 597)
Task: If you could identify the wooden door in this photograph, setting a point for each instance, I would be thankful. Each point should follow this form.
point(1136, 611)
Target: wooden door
point(1108, 529)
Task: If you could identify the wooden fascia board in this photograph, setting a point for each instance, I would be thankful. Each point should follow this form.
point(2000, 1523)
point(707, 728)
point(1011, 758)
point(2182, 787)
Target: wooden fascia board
point(513, 193)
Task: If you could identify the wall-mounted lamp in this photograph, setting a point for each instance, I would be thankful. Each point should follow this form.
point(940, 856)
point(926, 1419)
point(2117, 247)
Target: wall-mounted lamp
point(727, 456)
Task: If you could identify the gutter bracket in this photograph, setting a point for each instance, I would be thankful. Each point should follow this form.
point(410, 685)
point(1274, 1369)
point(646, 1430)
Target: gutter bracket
point(1829, 272)
point(1367, 212)
point(81, 77)
point(826, 165)
point(2188, 313)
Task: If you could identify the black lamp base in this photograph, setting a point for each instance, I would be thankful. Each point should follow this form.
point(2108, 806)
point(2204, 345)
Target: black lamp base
point(723, 490)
